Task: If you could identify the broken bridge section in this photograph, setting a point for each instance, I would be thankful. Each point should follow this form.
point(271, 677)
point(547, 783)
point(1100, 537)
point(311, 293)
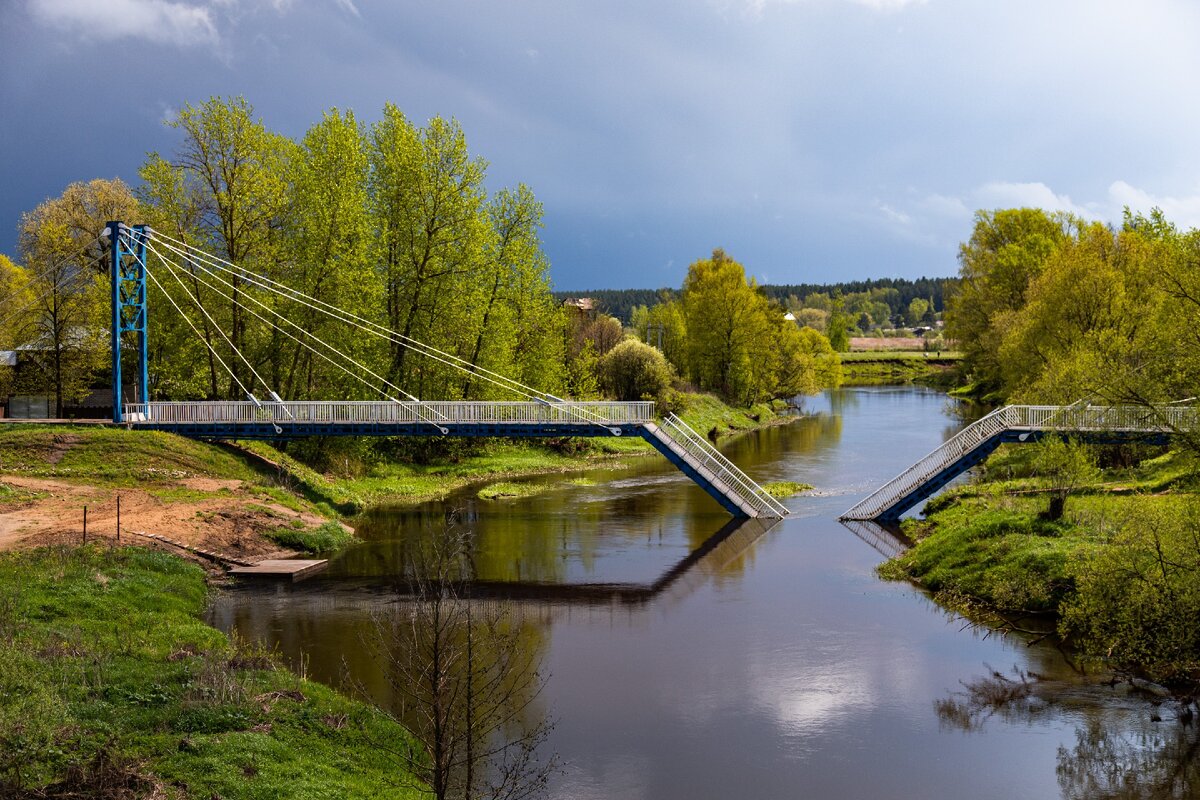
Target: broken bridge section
point(1020, 424)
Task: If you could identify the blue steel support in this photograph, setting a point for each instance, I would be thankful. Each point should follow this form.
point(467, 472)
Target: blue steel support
point(696, 477)
point(127, 270)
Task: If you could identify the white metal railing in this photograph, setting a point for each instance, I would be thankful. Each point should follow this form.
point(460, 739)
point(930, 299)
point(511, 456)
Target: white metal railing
point(709, 457)
point(390, 412)
point(1142, 419)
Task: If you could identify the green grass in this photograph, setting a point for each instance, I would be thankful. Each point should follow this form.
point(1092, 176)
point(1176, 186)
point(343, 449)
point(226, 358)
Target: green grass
point(708, 415)
point(783, 489)
point(401, 482)
point(988, 542)
point(102, 652)
point(115, 456)
point(496, 491)
point(322, 539)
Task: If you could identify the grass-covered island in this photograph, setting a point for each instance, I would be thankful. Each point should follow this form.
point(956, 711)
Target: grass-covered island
point(1111, 554)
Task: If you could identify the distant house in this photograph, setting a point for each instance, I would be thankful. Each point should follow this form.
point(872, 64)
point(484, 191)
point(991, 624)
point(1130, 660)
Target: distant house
point(584, 306)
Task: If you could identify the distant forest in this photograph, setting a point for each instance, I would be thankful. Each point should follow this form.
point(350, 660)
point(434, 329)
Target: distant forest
point(620, 302)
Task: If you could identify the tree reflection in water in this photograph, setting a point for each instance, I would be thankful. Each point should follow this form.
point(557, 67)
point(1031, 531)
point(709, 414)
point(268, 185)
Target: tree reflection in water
point(1127, 747)
point(464, 680)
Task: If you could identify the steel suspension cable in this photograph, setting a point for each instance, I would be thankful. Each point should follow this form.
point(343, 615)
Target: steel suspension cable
point(196, 331)
point(304, 344)
point(375, 329)
point(367, 325)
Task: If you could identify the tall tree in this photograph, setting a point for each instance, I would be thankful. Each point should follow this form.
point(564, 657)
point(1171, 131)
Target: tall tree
point(60, 246)
point(428, 202)
point(228, 179)
point(1006, 252)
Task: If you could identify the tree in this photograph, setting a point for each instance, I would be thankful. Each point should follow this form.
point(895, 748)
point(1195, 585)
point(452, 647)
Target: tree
point(466, 680)
point(67, 325)
point(226, 191)
point(663, 326)
point(1066, 465)
point(428, 203)
point(635, 371)
point(728, 327)
point(1006, 252)
point(917, 309)
point(839, 327)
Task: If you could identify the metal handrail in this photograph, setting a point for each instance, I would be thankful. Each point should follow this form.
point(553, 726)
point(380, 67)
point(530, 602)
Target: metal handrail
point(936, 460)
point(711, 459)
point(389, 412)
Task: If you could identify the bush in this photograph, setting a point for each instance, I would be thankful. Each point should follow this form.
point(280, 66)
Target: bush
point(635, 371)
point(1137, 600)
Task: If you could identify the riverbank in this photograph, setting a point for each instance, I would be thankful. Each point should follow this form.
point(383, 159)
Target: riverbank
point(251, 500)
point(882, 367)
point(1117, 576)
point(112, 687)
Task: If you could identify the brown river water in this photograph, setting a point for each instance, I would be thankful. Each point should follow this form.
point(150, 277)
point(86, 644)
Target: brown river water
point(687, 657)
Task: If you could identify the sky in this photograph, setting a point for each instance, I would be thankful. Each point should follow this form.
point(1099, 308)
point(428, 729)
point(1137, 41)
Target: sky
point(813, 140)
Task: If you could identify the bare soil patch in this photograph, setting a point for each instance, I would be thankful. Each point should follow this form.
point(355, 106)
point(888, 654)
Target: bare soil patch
point(231, 523)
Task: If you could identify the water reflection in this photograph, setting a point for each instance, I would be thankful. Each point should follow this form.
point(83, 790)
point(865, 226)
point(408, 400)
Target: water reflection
point(884, 538)
point(689, 659)
point(1125, 748)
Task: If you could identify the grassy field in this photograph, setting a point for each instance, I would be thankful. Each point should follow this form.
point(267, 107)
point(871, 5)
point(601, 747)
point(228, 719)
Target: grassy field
point(110, 683)
point(900, 355)
point(990, 541)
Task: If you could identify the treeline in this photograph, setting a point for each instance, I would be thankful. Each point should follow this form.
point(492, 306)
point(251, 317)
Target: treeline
point(621, 302)
point(441, 288)
point(1054, 309)
point(389, 222)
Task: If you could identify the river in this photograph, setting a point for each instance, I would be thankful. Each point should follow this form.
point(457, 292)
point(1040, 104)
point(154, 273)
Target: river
point(689, 659)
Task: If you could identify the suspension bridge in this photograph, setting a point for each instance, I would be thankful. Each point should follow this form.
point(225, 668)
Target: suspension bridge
point(266, 415)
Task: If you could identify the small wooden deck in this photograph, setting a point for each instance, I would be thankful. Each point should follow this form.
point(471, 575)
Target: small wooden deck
point(281, 569)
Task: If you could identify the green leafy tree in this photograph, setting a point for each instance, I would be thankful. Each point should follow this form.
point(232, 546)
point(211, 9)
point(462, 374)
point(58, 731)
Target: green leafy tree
point(1066, 465)
point(1007, 250)
point(226, 190)
point(428, 203)
point(66, 328)
point(728, 328)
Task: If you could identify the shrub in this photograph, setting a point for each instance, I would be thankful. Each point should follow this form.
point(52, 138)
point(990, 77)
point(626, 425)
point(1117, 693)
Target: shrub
point(635, 371)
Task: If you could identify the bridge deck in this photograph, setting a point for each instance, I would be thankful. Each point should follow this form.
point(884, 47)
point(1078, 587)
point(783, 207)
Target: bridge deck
point(688, 451)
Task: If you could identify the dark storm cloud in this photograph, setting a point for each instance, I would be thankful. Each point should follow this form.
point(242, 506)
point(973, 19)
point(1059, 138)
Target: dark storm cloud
point(814, 140)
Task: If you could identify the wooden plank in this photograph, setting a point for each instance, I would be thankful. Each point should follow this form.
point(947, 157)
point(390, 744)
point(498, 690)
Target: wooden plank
point(292, 569)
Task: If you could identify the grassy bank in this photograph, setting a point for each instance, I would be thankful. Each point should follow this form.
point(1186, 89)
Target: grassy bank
point(1119, 571)
point(110, 682)
point(366, 482)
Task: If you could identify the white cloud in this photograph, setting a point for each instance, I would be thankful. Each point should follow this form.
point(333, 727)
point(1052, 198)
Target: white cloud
point(158, 21)
point(1001, 194)
point(348, 6)
point(1183, 211)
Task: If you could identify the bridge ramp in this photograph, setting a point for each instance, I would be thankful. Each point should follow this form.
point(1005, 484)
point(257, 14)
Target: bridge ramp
point(974, 443)
point(695, 457)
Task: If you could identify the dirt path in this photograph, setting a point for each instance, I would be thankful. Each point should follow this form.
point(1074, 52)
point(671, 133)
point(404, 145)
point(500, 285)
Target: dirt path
point(230, 522)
